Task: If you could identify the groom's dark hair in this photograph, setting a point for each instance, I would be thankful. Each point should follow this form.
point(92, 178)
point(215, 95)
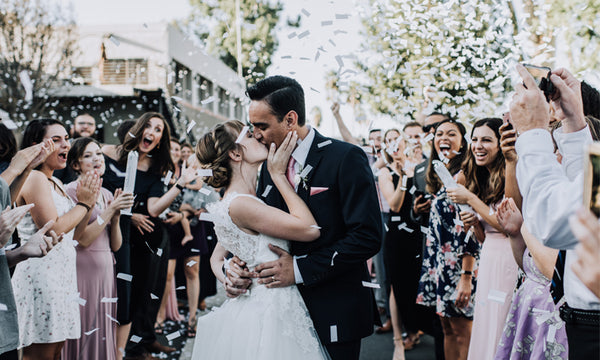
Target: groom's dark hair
point(283, 94)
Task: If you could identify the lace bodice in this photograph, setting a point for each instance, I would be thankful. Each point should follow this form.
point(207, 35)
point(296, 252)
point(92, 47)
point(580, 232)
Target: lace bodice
point(253, 249)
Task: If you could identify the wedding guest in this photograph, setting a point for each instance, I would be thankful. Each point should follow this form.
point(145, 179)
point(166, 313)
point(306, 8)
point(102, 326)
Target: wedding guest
point(546, 212)
point(48, 285)
point(186, 151)
point(144, 252)
point(123, 130)
point(483, 175)
point(402, 244)
point(533, 327)
point(95, 271)
point(447, 280)
point(84, 125)
point(586, 228)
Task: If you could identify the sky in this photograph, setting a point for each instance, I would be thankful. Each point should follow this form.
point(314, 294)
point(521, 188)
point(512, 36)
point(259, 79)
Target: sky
point(331, 26)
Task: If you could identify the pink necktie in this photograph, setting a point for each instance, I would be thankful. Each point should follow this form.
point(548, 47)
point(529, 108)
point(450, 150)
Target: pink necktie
point(291, 173)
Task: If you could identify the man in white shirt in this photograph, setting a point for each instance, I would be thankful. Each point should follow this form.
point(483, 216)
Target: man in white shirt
point(553, 192)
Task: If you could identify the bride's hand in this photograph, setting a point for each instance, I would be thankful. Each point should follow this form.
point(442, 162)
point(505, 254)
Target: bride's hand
point(278, 159)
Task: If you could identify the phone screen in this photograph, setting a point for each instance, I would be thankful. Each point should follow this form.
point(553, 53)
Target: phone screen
point(591, 194)
point(538, 72)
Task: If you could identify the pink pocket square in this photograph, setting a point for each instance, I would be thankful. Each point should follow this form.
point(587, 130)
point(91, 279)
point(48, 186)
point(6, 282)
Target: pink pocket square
point(315, 190)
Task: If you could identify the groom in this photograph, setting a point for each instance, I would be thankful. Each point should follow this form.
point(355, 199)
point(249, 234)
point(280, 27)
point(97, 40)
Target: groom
point(335, 181)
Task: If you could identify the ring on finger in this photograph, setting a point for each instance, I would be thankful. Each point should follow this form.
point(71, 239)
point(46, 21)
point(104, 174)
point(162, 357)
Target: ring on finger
point(273, 279)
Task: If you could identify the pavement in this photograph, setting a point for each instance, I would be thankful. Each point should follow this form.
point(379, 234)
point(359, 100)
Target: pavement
point(374, 347)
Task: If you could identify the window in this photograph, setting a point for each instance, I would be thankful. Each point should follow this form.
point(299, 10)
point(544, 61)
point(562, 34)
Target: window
point(83, 75)
point(205, 92)
point(183, 85)
point(224, 103)
point(239, 110)
point(124, 72)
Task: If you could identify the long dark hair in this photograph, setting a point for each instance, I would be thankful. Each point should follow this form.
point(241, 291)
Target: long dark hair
point(77, 149)
point(36, 130)
point(8, 144)
point(434, 183)
point(160, 155)
point(488, 185)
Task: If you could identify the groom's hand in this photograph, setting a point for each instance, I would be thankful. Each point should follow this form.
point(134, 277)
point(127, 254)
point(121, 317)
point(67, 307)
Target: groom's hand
point(278, 273)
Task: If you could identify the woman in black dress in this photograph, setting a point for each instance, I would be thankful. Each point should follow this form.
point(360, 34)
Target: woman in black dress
point(403, 242)
point(142, 260)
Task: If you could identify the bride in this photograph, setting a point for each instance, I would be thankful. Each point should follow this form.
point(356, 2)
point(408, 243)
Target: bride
point(263, 323)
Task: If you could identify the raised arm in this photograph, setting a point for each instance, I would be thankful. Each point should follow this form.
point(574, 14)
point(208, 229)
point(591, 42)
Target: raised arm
point(346, 135)
point(394, 196)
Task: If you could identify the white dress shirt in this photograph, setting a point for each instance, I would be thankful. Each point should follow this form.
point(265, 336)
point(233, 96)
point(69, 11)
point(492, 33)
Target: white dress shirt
point(300, 154)
point(551, 193)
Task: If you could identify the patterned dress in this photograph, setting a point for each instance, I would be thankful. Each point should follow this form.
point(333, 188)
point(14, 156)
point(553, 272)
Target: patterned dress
point(442, 259)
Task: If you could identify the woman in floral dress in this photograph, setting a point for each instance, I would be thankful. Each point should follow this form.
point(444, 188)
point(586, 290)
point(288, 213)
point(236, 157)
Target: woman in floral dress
point(447, 279)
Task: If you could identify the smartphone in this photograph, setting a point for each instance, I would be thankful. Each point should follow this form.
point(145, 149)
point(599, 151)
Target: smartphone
point(541, 75)
point(591, 185)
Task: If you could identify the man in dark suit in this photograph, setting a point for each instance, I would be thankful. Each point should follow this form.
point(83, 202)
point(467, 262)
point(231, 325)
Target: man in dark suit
point(334, 179)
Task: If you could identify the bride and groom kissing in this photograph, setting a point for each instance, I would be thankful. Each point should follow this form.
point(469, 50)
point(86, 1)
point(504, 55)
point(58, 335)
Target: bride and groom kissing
point(312, 221)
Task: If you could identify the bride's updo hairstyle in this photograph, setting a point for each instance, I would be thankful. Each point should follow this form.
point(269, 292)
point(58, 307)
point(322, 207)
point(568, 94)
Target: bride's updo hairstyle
point(212, 151)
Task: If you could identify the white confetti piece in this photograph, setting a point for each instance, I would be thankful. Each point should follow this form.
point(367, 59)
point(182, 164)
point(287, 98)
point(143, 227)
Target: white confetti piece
point(333, 335)
point(497, 296)
point(112, 318)
point(207, 217)
point(396, 218)
point(3, 307)
point(303, 34)
point(75, 242)
point(243, 133)
point(316, 227)
point(10, 247)
point(315, 90)
point(337, 32)
point(168, 178)
point(404, 181)
point(91, 331)
point(305, 171)
point(491, 211)
point(10, 125)
point(204, 191)
point(405, 227)
point(267, 190)
point(208, 100)
point(114, 40)
point(204, 172)
point(135, 339)
point(130, 134)
point(386, 228)
point(412, 190)
point(100, 220)
point(159, 252)
point(195, 250)
point(182, 287)
point(27, 85)
point(123, 276)
point(339, 60)
point(456, 152)
point(190, 126)
point(191, 263)
point(424, 229)
point(292, 35)
point(458, 222)
point(153, 297)
point(342, 16)
point(305, 12)
point(324, 143)
point(326, 23)
point(333, 257)
point(108, 300)
point(370, 285)
point(420, 170)
point(117, 172)
point(173, 335)
point(428, 138)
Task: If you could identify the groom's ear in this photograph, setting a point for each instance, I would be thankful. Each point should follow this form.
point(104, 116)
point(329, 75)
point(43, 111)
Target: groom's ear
point(291, 119)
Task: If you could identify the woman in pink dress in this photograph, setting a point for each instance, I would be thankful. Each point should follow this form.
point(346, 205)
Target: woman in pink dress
point(484, 189)
point(95, 261)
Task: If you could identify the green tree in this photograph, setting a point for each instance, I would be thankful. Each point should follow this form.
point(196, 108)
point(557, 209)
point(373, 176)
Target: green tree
point(37, 42)
point(216, 21)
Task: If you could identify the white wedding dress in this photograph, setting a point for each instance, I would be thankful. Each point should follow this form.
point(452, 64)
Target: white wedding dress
point(266, 324)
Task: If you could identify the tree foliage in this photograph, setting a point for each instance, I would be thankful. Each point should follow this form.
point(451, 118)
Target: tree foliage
point(216, 26)
point(37, 42)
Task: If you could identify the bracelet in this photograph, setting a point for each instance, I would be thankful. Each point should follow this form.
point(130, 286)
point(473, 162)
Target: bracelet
point(179, 186)
point(466, 272)
point(86, 206)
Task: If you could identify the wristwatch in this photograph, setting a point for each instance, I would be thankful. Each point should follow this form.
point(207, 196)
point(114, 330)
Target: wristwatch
point(466, 272)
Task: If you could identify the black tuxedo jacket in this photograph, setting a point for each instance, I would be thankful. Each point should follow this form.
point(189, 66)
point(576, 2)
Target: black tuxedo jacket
point(333, 267)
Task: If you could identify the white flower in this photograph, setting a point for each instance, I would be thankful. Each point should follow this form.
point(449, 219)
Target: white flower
point(297, 179)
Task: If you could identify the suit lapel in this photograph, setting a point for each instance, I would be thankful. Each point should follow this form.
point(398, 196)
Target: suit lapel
point(313, 159)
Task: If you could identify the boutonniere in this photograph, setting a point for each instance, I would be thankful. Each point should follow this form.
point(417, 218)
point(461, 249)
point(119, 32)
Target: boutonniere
point(302, 177)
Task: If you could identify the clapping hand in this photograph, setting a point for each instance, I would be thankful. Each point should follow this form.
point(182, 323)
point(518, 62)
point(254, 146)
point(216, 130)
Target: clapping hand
point(509, 217)
point(586, 228)
point(9, 219)
point(39, 244)
point(278, 159)
point(88, 188)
